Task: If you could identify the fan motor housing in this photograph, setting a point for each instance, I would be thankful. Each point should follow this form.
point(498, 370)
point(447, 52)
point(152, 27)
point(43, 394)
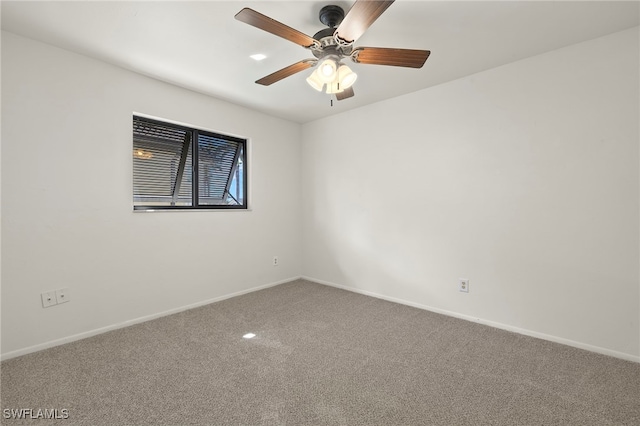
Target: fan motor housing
point(328, 45)
point(331, 16)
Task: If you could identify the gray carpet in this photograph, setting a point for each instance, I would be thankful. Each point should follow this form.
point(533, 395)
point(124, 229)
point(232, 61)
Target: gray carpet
point(321, 356)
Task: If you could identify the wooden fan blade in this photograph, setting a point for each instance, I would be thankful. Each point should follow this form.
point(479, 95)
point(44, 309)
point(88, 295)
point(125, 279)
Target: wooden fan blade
point(346, 93)
point(270, 25)
point(285, 72)
point(360, 17)
point(410, 58)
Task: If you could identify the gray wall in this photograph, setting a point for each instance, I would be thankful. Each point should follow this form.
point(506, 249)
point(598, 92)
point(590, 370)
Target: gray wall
point(523, 179)
point(67, 215)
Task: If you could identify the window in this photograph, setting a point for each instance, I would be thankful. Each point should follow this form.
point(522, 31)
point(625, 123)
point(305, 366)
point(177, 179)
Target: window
point(177, 167)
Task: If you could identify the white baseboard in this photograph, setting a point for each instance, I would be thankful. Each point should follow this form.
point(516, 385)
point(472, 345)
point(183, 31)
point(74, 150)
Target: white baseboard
point(551, 338)
point(84, 335)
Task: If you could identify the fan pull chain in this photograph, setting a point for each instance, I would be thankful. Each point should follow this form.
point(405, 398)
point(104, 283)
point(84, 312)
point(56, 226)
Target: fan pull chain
point(337, 88)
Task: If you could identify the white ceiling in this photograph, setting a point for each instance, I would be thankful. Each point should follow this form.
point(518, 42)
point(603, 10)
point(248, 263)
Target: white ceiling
point(200, 46)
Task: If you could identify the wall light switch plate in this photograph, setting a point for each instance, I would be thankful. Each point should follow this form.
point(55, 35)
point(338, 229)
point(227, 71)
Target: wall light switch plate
point(49, 299)
point(62, 295)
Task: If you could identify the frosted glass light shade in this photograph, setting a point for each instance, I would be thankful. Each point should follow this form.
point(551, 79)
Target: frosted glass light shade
point(334, 87)
point(314, 81)
point(327, 71)
point(346, 77)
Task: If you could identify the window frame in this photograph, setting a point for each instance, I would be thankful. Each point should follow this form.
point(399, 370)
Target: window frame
point(195, 166)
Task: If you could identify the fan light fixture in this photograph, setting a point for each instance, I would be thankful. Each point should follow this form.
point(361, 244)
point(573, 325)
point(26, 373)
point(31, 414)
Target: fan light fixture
point(333, 88)
point(335, 75)
point(327, 70)
point(346, 77)
point(314, 81)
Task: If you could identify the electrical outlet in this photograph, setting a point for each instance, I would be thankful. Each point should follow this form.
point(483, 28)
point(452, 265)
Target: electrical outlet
point(463, 285)
point(49, 299)
point(62, 295)
point(275, 260)
point(54, 297)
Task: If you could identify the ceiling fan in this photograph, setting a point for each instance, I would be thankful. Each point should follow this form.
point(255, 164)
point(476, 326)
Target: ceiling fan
point(331, 45)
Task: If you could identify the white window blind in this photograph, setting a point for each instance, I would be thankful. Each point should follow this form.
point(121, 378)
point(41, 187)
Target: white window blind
point(180, 167)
